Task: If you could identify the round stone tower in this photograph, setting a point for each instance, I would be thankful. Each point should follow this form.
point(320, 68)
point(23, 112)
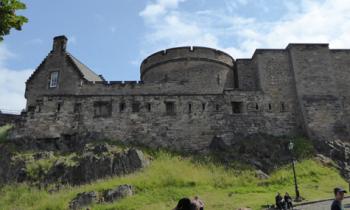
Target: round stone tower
point(197, 67)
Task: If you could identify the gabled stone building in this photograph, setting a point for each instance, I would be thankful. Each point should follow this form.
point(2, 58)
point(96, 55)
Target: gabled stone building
point(189, 95)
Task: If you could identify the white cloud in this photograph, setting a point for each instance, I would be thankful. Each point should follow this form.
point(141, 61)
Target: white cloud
point(160, 7)
point(310, 21)
point(12, 84)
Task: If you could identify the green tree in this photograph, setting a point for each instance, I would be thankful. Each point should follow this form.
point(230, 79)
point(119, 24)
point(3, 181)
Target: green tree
point(8, 17)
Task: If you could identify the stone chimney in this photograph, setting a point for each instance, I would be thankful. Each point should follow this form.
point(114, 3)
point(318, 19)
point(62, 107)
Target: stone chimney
point(59, 44)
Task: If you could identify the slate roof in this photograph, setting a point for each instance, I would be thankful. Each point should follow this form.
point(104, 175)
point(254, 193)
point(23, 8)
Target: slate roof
point(87, 73)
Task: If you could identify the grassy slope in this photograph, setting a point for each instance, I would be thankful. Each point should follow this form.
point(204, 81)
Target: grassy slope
point(170, 177)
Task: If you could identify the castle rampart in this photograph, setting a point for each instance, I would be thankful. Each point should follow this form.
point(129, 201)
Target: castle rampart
point(187, 96)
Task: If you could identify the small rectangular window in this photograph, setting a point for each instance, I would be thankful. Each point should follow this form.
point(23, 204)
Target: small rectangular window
point(170, 108)
point(122, 107)
point(59, 106)
point(217, 107)
point(102, 109)
point(148, 107)
point(203, 106)
point(54, 79)
point(237, 107)
point(189, 108)
point(135, 107)
point(283, 107)
point(77, 108)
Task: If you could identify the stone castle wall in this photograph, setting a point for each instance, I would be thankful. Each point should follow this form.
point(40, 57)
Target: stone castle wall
point(189, 96)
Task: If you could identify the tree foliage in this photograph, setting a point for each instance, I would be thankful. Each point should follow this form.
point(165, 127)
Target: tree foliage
point(8, 17)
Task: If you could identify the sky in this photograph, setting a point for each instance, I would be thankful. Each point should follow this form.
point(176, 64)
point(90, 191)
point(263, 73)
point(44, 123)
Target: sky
point(112, 37)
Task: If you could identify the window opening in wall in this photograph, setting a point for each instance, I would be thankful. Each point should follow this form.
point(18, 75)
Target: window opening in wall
point(218, 80)
point(257, 106)
point(39, 105)
point(102, 109)
point(283, 107)
point(77, 108)
point(136, 107)
point(270, 107)
point(58, 108)
point(53, 79)
point(122, 107)
point(217, 107)
point(203, 106)
point(170, 108)
point(149, 107)
point(237, 107)
point(189, 108)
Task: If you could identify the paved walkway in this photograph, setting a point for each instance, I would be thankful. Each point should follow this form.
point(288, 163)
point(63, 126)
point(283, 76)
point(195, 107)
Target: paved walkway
point(323, 205)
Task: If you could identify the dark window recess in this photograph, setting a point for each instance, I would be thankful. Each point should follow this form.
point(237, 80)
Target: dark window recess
point(237, 107)
point(122, 107)
point(39, 105)
point(189, 108)
point(170, 108)
point(217, 107)
point(257, 106)
point(149, 107)
point(102, 109)
point(270, 107)
point(135, 107)
point(59, 106)
point(283, 107)
point(31, 108)
point(203, 106)
point(77, 108)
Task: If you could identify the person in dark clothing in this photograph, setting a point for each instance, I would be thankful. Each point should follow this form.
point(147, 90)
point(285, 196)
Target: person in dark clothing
point(339, 196)
point(288, 201)
point(279, 201)
point(185, 204)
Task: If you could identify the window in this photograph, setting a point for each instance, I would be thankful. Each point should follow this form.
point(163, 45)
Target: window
point(270, 107)
point(283, 107)
point(122, 107)
point(136, 107)
point(189, 108)
point(203, 106)
point(77, 108)
point(148, 105)
point(237, 107)
point(217, 107)
point(58, 107)
point(54, 79)
point(102, 109)
point(170, 108)
point(257, 106)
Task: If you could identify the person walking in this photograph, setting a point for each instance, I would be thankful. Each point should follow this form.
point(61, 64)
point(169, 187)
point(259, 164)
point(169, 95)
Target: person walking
point(339, 196)
point(279, 201)
point(288, 201)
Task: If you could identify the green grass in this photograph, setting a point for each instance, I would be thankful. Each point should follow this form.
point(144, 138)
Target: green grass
point(170, 177)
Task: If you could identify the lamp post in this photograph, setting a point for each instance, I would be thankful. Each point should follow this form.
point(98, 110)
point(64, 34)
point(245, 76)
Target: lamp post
point(297, 194)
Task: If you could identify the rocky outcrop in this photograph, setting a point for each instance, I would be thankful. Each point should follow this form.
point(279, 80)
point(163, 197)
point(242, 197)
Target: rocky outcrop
point(111, 195)
point(118, 193)
point(82, 200)
point(50, 166)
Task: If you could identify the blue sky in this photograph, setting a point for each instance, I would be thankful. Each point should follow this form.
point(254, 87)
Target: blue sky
point(112, 37)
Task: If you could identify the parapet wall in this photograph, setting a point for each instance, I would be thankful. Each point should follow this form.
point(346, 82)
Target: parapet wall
point(187, 53)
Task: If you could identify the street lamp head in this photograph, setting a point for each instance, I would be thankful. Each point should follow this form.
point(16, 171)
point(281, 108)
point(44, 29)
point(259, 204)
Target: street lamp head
point(291, 145)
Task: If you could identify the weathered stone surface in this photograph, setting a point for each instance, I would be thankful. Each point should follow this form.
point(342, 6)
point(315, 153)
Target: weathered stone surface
point(82, 200)
point(88, 164)
point(118, 193)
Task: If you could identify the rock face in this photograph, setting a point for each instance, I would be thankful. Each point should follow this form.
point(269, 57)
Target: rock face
point(111, 195)
point(118, 193)
point(82, 200)
point(51, 166)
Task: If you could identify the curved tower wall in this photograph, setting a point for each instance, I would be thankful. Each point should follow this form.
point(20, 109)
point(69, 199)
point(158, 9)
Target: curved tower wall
point(198, 67)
